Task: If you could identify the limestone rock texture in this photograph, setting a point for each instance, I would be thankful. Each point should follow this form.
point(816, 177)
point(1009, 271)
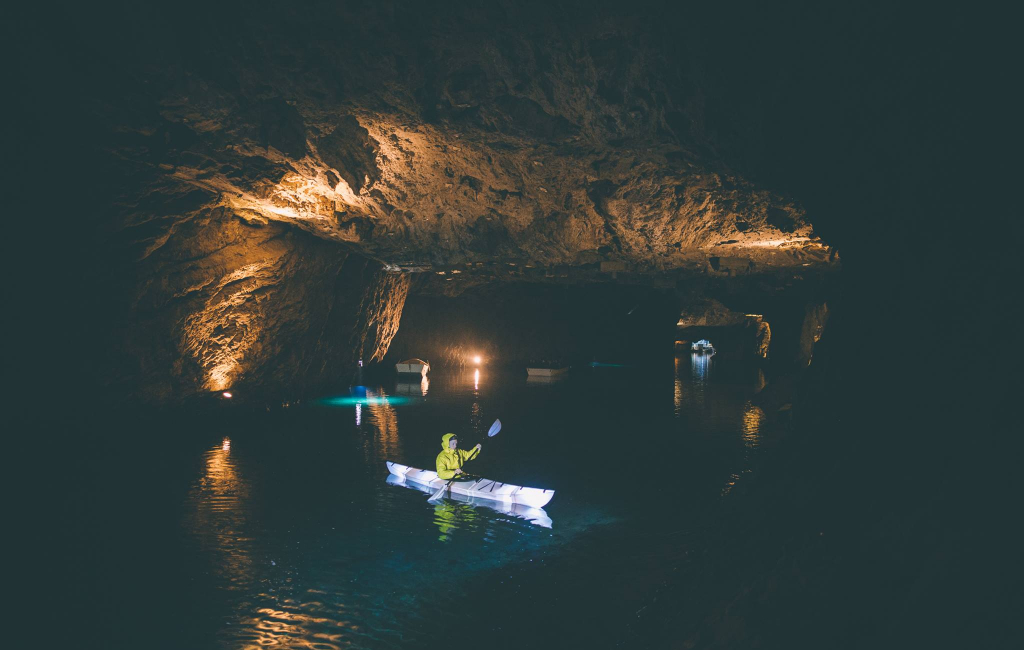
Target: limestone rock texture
point(264, 307)
point(251, 155)
point(427, 138)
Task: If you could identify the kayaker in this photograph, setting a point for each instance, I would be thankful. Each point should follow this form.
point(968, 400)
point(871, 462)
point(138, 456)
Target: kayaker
point(450, 460)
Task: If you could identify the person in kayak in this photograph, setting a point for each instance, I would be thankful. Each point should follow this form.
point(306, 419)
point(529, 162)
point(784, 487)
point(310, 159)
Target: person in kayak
point(450, 460)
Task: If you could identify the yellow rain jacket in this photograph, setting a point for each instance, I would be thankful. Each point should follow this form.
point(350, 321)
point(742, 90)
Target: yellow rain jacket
point(450, 460)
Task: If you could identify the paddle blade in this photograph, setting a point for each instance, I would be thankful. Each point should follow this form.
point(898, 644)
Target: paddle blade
point(439, 494)
point(495, 428)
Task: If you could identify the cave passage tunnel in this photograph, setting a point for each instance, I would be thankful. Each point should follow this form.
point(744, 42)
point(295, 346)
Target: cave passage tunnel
point(689, 275)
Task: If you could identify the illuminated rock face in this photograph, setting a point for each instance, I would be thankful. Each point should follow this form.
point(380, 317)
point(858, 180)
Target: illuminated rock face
point(423, 140)
point(253, 168)
point(225, 304)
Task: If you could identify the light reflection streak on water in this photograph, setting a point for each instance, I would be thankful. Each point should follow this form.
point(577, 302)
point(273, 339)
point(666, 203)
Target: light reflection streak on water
point(753, 420)
point(359, 415)
point(285, 628)
point(753, 417)
point(476, 417)
point(700, 366)
point(677, 393)
point(216, 517)
point(476, 380)
point(384, 420)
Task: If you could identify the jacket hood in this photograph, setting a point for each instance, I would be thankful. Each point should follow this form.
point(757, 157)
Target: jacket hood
point(445, 438)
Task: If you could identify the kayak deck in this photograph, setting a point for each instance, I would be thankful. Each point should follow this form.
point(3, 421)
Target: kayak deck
point(483, 488)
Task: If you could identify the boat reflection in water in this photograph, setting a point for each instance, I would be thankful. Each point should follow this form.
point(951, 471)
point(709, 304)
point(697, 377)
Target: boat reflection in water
point(700, 366)
point(536, 516)
point(413, 388)
point(546, 379)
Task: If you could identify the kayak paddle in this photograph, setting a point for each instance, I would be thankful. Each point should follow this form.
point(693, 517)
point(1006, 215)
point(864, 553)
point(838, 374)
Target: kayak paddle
point(493, 431)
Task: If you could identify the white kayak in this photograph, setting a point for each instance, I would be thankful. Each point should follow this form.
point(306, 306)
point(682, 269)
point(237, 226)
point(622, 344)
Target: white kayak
point(482, 488)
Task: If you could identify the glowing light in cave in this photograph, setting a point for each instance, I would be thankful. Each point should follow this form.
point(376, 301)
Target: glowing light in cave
point(227, 394)
point(372, 400)
point(476, 359)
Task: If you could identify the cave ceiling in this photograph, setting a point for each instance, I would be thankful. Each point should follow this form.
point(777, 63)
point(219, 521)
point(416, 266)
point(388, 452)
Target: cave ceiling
point(438, 143)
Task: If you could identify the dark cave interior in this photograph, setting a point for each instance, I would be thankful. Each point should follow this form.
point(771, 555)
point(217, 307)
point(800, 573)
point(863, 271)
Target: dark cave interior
point(257, 196)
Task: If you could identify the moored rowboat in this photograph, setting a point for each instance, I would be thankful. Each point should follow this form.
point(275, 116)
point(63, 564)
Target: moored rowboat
point(413, 367)
point(482, 488)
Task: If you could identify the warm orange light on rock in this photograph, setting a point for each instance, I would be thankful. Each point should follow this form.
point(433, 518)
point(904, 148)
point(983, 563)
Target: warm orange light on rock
point(229, 324)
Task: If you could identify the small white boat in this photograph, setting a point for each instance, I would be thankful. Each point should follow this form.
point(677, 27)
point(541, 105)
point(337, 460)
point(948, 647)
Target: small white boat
point(413, 367)
point(546, 372)
point(482, 488)
point(703, 346)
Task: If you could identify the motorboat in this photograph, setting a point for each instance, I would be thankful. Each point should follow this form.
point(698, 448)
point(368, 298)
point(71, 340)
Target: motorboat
point(702, 346)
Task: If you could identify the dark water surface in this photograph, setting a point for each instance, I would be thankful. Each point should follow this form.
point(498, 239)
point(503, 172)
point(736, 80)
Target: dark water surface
point(280, 530)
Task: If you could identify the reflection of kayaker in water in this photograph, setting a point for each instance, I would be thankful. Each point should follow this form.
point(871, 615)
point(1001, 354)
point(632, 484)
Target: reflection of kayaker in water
point(450, 460)
point(449, 517)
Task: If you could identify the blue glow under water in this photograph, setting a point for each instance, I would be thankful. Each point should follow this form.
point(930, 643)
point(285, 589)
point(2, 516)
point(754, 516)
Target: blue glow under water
point(279, 528)
point(352, 400)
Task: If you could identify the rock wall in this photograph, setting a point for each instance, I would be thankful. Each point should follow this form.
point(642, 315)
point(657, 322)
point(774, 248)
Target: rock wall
point(440, 138)
point(811, 331)
point(224, 303)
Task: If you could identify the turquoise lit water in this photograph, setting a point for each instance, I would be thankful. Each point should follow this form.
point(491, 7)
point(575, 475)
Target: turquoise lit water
point(278, 528)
